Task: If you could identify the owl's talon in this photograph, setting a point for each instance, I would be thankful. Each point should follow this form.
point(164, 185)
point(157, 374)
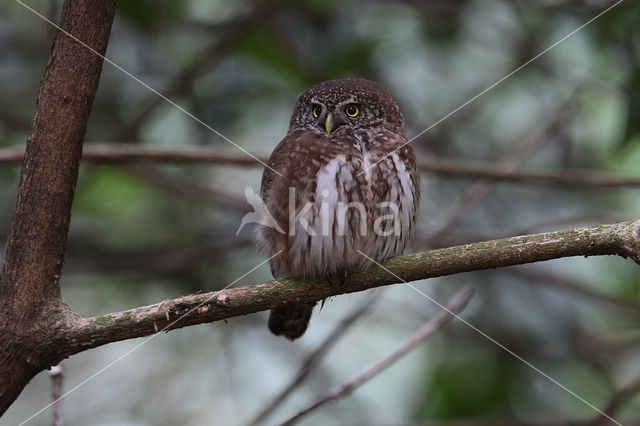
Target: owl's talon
point(340, 277)
point(343, 278)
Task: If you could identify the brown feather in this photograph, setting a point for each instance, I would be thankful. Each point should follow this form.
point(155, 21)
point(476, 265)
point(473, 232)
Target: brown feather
point(365, 160)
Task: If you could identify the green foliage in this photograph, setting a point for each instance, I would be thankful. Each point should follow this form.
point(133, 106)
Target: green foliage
point(152, 15)
point(109, 192)
point(263, 48)
point(473, 384)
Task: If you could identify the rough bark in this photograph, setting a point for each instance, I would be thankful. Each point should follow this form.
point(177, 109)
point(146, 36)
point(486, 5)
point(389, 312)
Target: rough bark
point(622, 239)
point(30, 303)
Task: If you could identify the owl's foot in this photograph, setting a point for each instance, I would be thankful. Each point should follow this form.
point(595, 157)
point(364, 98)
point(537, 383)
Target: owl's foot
point(337, 279)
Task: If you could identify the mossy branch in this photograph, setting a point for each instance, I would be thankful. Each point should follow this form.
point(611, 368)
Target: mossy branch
point(622, 239)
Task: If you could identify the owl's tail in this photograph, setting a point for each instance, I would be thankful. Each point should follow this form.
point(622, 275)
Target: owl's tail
point(290, 321)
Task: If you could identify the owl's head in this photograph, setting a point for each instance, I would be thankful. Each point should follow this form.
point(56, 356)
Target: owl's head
point(332, 106)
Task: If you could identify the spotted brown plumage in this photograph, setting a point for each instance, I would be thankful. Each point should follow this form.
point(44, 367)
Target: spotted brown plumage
point(347, 183)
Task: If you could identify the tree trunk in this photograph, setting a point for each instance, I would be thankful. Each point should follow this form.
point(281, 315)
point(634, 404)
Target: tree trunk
point(30, 303)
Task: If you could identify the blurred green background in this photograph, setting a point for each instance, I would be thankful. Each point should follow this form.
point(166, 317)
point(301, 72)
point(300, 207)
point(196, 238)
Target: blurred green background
point(144, 232)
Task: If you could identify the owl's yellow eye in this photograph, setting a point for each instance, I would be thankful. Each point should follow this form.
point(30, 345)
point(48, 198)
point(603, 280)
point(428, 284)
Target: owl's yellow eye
point(316, 110)
point(352, 110)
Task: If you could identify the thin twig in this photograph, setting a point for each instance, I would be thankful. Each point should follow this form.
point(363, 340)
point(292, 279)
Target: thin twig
point(312, 360)
point(618, 399)
point(492, 171)
point(57, 375)
point(129, 153)
point(455, 305)
point(133, 152)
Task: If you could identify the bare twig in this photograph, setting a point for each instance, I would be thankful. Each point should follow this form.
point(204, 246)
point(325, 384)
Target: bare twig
point(57, 375)
point(131, 152)
point(492, 171)
point(454, 306)
point(127, 153)
point(314, 358)
point(617, 400)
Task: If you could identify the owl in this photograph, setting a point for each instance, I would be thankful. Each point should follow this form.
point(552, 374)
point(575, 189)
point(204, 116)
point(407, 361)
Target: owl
point(342, 186)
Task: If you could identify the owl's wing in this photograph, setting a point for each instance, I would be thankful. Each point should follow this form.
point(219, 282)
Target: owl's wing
point(267, 178)
point(274, 163)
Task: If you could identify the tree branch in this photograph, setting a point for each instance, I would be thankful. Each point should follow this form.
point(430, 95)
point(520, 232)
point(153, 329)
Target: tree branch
point(57, 376)
point(618, 399)
point(127, 153)
point(30, 302)
point(490, 170)
point(622, 239)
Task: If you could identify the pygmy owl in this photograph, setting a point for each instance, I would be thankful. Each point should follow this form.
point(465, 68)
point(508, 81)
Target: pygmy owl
point(346, 186)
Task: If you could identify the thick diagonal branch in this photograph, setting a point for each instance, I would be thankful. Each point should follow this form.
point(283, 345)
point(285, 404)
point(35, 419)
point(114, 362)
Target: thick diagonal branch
point(30, 303)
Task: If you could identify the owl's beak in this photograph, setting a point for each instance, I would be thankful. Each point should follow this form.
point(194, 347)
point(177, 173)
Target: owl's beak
point(329, 124)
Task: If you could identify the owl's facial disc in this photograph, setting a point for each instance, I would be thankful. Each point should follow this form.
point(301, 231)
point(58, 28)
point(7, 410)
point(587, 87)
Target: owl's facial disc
point(330, 116)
